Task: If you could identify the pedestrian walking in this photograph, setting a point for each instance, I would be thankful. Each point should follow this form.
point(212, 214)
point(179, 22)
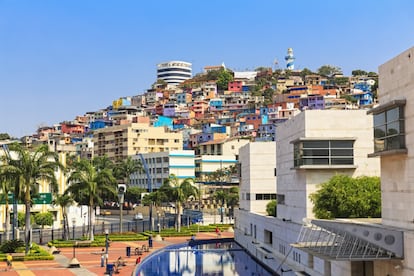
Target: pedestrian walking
point(9, 260)
point(218, 232)
point(103, 257)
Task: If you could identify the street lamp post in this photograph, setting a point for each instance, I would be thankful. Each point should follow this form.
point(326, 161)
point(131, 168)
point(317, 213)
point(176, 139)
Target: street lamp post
point(121, 196)
point(73, 228)
point(106, 246)
point(74, 262)
point(158, 222)
point(222, 192)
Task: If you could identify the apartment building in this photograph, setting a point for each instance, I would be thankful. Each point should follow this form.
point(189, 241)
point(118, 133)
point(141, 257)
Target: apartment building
point(119, 142)
point(160, 165)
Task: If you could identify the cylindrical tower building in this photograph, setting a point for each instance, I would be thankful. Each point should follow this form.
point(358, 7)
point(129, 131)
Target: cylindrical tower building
point(290, 60)
point(174, 72)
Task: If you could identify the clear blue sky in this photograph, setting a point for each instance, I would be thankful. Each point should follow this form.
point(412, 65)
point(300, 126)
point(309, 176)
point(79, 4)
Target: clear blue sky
point(59, 59)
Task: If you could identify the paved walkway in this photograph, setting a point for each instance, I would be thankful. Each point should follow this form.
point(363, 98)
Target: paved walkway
point(90, 258)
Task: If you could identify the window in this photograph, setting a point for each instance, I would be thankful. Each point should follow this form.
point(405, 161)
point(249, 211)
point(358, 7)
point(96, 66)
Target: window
point(323, 152)
point(265, 196)
point(280, 199)
point(268, 236)
point(282, 249)
point(389, 129)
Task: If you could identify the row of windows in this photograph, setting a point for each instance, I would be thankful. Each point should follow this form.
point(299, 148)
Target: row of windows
point(174, 70)
point(265, 196)
point(247, 196)
point(324, 152)
point(175, 75)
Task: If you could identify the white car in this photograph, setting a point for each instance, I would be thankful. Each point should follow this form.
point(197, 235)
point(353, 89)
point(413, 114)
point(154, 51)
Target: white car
point(138, 216)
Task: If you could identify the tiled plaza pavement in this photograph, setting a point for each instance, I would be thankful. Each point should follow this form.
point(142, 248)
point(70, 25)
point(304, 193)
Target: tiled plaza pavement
point(90, 259)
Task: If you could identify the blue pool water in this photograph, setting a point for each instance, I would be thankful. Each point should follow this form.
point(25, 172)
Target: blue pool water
point(225, 258)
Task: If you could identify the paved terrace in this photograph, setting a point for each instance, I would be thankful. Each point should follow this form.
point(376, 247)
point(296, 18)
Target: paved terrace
point(90, 259)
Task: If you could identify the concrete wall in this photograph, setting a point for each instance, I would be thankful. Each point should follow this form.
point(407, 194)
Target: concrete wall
point(258, 162)
point(298, 184)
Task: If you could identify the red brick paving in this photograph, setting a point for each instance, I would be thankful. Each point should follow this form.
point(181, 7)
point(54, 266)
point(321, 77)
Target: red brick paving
point(92, 262)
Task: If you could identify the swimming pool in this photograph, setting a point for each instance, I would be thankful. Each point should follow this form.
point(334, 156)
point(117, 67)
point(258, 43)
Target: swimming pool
point(205, 257)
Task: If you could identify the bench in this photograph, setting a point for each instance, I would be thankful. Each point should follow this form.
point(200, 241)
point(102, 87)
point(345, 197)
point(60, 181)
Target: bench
point(117, 267)
point(82, 243)
point(18, 256)
point(138, 251)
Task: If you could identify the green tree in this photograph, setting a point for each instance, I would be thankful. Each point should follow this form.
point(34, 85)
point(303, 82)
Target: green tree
point(359, 72)
point(133, 194)
point(31, 169)
point(102, 163)
point(127, 167)
point(64, 201)
point(341, 81)
point(329, 70)
point(87, 182)
point(4, 136)
point(43, 219)
point(268, 95)
point(21, 219)
point(346, 197)
point(305, 72)
point(181, 191)
point(232, 200)
point(271, 208)
point(223, 78)
point(6, 187)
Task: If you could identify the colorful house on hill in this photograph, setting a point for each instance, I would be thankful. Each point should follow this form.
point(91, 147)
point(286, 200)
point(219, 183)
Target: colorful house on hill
point(99, 124)
point(235, 86)
point(72, 128)
point(163, 121)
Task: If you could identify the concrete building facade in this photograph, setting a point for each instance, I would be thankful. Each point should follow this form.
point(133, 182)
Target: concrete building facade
point(174, 72)
point(119, 142)
point(257, 176)
point(162, 164)
point(311, 147)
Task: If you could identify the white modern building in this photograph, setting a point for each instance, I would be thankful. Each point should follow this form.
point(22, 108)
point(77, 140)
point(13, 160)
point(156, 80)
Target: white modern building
point(160, 165)
point(257, 177)
point(311, 147)
point(174, 72)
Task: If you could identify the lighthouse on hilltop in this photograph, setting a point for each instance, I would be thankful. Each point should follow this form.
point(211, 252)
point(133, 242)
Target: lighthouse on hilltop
point(290, 59)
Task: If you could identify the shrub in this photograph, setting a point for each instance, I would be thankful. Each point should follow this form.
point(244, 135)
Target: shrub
point(11, 246)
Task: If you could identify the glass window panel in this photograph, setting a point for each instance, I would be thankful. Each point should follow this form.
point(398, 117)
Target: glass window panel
point(342, 161)
point(316, 152)
point(316, 144)
point(315, 161)
point(393, 128)
point(393, 142)
point(342, 144)
point(393, 114)
point(342, 152)
point(379, 119)
point(379, 144)
point(379, 131)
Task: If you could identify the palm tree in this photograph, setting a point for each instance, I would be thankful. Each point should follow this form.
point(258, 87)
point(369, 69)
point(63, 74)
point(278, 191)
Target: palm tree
point(63, 201)
point(181, 191)
point(31, 168)
point(87, 182)
point(6, 187)
point(127, 167)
